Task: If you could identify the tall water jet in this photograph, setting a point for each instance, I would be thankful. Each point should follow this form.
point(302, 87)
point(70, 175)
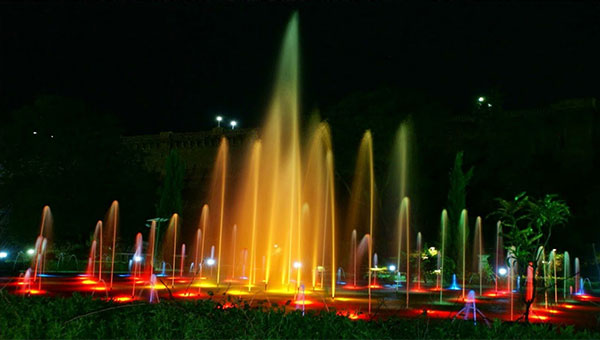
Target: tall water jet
point(255, 176)
point(182, 260)
point(204, 224)
point(478, 253)
point(170, 245)
point(233, 248)
point(444, 227)
point(137, 259)
point(404, 227)
point(222, 164)
point(499, 251)
point(98, 235)
point(577, 275)
point(362, 200)
point(45, 229)
point(331, 189)
point(566, 273)
point(42, 260)
point(553, 261)
point(354, 250)
point(151, 248)
point(197, 245)
point(112, 221)
point(463, 225)
point(92, 260)
point(419, 250)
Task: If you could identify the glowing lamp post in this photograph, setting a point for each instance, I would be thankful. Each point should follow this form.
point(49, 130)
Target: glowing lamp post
point(3, 254)
point(30, 251)
point(219, 120)
point(233, 124)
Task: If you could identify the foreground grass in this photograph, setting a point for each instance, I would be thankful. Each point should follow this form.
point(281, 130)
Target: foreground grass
point(82, 317)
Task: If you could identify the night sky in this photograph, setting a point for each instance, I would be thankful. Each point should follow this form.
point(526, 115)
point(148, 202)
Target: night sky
point(171, 66)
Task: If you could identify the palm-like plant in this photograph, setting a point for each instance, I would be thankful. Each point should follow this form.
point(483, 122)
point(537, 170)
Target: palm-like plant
point(525, 221)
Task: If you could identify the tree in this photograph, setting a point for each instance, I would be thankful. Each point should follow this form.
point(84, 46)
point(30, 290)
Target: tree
point(525, 221)
point(457, 201)
point(170, 201)
point(60, 152)
point(170, 192)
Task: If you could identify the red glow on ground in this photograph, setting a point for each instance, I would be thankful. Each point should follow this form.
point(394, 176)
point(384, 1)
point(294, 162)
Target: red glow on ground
point(187, 295)
point(303, 302)
point(418, 290)
point(351, 315)
point(32, 291)
point(584, 297)
point(438, 313)
point(227, 305)
point(553, 311)
point(376, 286)
point(568, 306)
point(123, 298)
point(352, 287)
point(539, 317)
point(182, 281)
point(89, 282)
point(230, 281)
point(101, 288)
point(495, 294)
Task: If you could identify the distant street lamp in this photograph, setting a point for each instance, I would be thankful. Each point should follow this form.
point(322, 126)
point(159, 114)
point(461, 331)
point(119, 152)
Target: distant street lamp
point(219, 119)
point(233, 124)
point(481, 99)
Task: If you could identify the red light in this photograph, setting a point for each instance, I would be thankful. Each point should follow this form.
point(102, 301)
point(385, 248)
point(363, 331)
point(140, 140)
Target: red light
point(352, 287)
point(123, 298)
point(186, 295)
point(303, 302)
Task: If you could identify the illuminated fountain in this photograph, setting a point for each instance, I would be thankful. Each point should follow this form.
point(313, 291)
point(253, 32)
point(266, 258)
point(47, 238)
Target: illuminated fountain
point(268, 226)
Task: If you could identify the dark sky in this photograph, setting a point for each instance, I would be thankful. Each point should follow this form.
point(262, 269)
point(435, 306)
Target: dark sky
point(173, 66)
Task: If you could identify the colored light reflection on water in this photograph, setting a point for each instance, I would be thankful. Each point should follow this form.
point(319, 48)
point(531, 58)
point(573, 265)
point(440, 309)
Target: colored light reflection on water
point(344, 299)
point(32, 291)
point(122, 299)
point(352, 287)
point(187, 295)
point(303, 302)
point(352, 315)
point(539, 317)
